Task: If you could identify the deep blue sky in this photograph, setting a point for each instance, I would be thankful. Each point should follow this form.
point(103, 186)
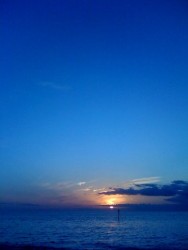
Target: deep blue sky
point(92, 91)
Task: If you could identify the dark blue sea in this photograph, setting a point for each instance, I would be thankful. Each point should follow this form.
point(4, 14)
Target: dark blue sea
point(93, 229)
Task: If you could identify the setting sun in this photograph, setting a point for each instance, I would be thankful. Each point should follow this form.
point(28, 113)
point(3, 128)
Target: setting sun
point(113, 200)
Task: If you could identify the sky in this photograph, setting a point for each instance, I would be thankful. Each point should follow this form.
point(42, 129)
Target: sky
point(94, 102)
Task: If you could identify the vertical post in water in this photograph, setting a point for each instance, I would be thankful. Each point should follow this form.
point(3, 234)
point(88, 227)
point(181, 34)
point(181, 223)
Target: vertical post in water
point(118, 214)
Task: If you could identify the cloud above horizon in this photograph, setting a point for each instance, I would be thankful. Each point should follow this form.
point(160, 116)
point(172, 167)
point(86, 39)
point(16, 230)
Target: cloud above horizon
point(89, 193)
point(146, 180)
point(177, 191)
point(83, 193)
point(67, 193)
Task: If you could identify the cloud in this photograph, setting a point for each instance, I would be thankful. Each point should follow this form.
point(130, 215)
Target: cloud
point(86, 189)
point(66, 194)
point(146, 180)
point(81, 183)
point(177, 191)
point(140, 181)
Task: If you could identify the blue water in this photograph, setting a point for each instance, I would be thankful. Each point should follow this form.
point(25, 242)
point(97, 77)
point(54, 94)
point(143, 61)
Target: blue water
point(94, 229)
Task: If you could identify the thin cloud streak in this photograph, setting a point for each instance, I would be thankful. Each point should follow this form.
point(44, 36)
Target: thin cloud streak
point(68, 193)
point(81, 183)
point(146, 180)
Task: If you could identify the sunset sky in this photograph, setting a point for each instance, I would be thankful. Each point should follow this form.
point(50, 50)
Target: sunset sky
point(94, 102)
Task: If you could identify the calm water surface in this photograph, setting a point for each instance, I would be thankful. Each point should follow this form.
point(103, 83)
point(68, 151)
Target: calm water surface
point(94, 229)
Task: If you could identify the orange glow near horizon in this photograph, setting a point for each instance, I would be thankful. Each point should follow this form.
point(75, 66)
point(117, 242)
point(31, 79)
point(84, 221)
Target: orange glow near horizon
point(113, 200)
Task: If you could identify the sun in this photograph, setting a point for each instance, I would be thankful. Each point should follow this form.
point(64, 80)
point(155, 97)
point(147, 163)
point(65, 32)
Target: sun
point(111, 202)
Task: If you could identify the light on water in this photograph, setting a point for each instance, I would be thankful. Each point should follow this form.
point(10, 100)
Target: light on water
point(95, 229)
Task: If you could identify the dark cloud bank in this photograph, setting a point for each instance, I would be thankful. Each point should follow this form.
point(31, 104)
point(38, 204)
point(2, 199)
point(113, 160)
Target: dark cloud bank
point(176, 192)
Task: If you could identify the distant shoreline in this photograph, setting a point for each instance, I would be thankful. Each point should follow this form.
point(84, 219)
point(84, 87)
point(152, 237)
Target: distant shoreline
point(127, 207)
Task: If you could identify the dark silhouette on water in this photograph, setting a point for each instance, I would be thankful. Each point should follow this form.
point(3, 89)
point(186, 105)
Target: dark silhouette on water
point(118, 214)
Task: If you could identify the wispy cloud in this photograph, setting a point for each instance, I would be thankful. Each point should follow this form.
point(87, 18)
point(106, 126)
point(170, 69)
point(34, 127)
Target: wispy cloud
point(132, 183)
point(68, 193)
point(81, 183)
point(146, 180)
point(99, 189)
point(87, 189)
point(84, 193)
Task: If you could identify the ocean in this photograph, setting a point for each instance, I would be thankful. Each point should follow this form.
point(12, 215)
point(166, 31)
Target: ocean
point(93, 229)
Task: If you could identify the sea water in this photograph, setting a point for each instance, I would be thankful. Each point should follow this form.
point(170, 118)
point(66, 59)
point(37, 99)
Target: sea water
point(94, 229)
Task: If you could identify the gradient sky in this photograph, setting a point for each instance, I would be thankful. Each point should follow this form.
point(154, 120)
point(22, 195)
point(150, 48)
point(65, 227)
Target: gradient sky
point(93, 95)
